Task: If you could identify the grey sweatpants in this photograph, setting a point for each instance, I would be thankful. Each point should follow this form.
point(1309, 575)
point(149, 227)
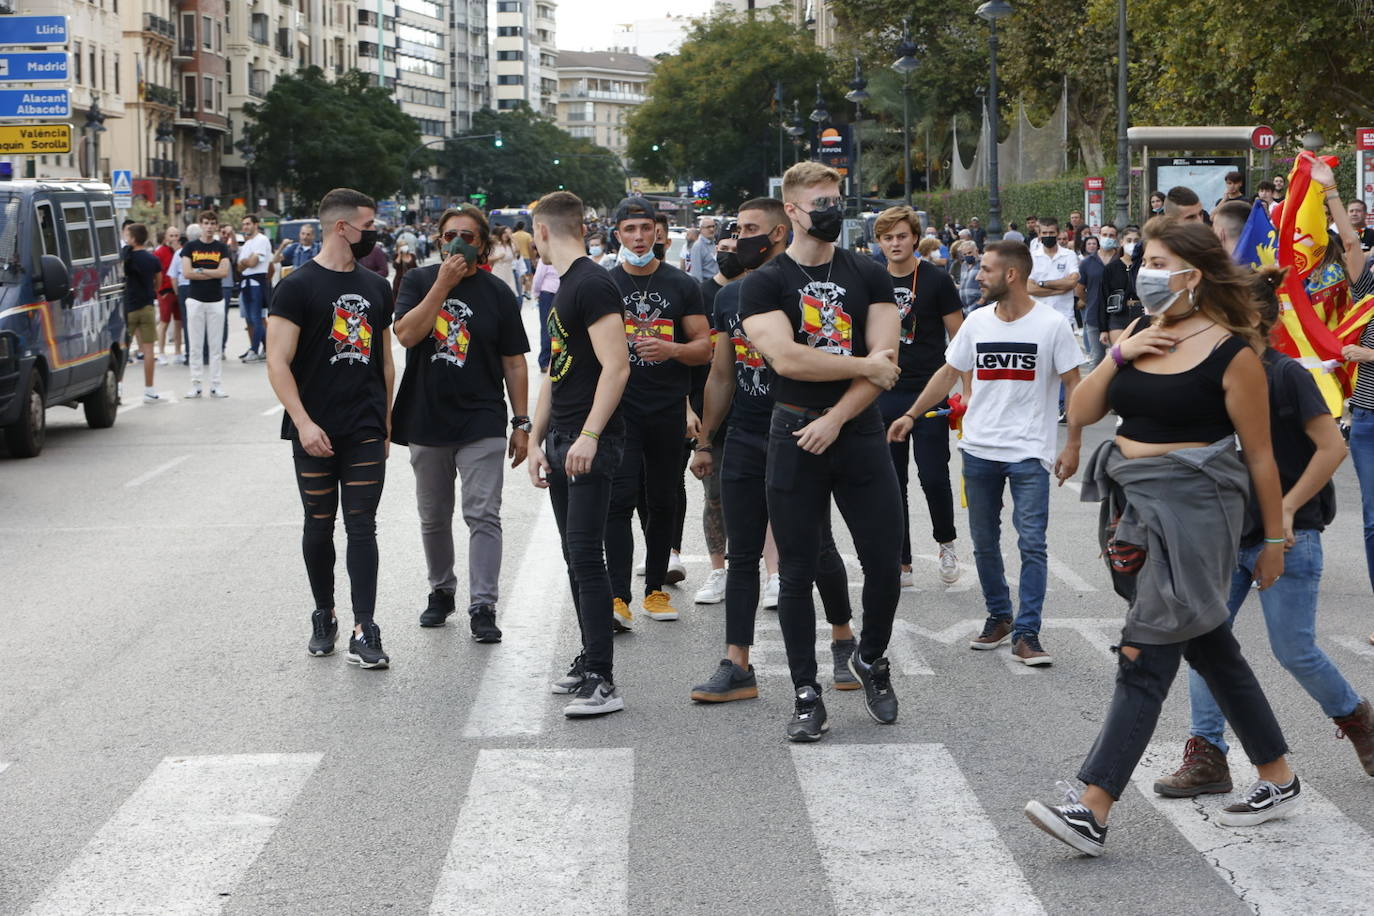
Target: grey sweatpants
point(480, 465)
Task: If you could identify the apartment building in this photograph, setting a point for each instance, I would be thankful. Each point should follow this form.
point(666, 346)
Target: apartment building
point(525, 56)
point(597, 90)
point(815, 15)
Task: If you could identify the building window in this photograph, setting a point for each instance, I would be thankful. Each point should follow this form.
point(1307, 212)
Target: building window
point(116, 73)
point(188, 92)
point(418, 65)
point(510, 55)
point(187, 41)
point(219, 96)
point(543, 11)
point(219, 36)
point(510, 79)
point(207, 101)
point(509, 31)
point(76, 59)
point(507, 104)
point(206, 35)
point(510, 6)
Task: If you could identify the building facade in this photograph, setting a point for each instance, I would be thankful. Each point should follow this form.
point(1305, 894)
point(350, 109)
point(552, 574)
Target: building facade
point(597, 90)
point(525, 56)
point(815, 15)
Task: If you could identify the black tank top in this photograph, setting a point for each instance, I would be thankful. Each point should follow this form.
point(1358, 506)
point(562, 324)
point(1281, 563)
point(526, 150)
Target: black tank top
point(1187, 406)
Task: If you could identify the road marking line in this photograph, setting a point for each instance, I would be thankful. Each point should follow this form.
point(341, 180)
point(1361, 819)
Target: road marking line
point(932, 851)
point(80, 529)
point(4, 765)
point(1357, 645)
point(1317, 861)
point(514, 847)
point(1075, 486)
point(1068, 576)
point(902, 653)
point(181, 842)
point(144, 478)
point(272, 411)
point(513, 695)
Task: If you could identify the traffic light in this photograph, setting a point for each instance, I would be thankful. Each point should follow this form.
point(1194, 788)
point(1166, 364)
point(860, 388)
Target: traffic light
point(497, 141)
point(555, 161)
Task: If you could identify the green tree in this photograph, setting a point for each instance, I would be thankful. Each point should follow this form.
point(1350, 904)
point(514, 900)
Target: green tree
point(313, 135)
point(711, 113)
point(523, 168)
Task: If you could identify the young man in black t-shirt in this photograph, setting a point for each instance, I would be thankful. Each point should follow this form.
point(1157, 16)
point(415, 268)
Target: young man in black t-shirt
point(930, 310)
point(465, 339)
point(142, 276)
point(666, 333)
point(205, 264)
point(814, 312)
point(738, 396)
point(578, 438)
point(329, 362)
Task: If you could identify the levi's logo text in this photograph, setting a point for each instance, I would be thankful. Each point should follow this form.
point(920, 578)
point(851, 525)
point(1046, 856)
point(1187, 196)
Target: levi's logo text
point(644, 318)
point(351, 332)
point(1016, 361)
point(451, 336)
point(824, 323)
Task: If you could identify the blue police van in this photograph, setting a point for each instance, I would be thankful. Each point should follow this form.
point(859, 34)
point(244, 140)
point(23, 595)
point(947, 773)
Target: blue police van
point(61, 307)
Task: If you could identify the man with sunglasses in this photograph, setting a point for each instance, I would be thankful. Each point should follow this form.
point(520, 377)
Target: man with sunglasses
point(465, 340)
point(667, 333)
point(815, 312)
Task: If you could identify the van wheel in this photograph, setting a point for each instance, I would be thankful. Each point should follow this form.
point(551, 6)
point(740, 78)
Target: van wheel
point(25, 437)
point(103, 404)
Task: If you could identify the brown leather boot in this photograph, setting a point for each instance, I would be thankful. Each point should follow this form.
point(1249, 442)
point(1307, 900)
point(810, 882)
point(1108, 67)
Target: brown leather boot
point(1204, 772)
point(1359, 728)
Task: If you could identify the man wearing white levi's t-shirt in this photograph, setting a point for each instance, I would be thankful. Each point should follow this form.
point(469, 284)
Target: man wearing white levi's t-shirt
point(1012, 356)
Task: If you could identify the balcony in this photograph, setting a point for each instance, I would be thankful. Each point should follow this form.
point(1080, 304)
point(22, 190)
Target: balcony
point(156, 26)
point(284, 43)
point(160, 95)
point(185, 49)
point(163, 168)
point(259, 82)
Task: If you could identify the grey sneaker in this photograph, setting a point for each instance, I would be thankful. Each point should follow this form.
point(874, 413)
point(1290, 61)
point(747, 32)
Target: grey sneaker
point(596, 697)
point(876, 678)
point(728, 682)
point(840, 650)
point(809, 722)
point(569, 682)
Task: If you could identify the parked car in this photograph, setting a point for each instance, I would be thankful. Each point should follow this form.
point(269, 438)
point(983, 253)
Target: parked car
point(62, 324)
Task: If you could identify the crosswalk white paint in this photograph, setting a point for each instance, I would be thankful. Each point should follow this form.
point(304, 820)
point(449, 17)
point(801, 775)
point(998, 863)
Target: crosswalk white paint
point(929, 850)
point(768, 655)
point(4, 765)
point(180, 843)
point(272, 411)
point(1357, 644)
point(520, 843)
point(1315, 861)
point(514, 691)
point(160, 469)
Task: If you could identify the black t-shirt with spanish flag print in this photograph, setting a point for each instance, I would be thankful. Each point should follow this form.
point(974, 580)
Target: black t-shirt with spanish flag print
point(827, 307)
point(752, 405)
point(586, 293)
point(338, 366)
point(453, 387)
point(654, 307)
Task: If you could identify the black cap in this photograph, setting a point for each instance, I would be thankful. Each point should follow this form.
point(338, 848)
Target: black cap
point(634, 208)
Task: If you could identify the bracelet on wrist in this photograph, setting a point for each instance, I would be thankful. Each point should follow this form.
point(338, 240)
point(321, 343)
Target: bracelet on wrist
point(704, 448)
point(1276, 540)
point(591, 435)
point(1117, 356)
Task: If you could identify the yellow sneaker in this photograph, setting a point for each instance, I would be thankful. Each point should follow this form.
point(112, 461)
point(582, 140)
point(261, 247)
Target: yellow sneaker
point(656, 603)
point(622, 621)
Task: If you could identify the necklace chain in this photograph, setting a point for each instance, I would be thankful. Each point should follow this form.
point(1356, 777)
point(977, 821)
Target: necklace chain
point(807, 273)
point(1206, 327)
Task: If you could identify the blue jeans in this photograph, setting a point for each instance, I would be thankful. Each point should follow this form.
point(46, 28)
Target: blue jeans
point(1092, 342)
point(1362, 454)
point(1290, 614)
point(250, 309)
point(1030, 495)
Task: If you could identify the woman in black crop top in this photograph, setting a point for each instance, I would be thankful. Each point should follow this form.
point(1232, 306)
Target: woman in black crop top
point(1184, 380)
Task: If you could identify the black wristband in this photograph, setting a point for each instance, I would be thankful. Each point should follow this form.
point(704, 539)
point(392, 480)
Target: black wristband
point(517, 421)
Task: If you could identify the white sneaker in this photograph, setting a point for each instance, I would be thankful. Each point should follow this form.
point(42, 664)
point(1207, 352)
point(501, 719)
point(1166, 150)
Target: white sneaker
point(639, 570)
point(162, 360)
point(151, 397)
point(713, 591)
point(676, 571)
point(949, 564)
point(195, 391)
point(770, 592)
point(908, 579)
point(218, 393)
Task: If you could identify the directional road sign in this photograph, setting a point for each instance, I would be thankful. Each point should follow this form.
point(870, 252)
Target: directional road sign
point(34, 67)
point(33, 30)
point(123, 184)
point(35, 139)
point(27, 104)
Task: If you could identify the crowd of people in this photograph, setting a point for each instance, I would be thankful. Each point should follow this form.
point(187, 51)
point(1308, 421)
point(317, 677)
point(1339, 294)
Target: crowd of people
point(800, 374)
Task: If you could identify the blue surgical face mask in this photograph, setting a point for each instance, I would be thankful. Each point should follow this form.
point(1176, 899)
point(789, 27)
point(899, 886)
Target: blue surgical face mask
point(594, 251)
point(1109, 244)
point(638, 260)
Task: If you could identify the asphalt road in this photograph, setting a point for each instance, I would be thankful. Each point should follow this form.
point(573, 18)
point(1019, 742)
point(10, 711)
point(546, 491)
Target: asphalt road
point(166, 745)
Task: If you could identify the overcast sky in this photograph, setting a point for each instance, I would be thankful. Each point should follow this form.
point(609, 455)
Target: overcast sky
point(590, 25)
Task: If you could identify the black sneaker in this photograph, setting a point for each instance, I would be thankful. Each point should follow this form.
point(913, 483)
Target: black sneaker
point(876, 678)
point(1263, 802)
point(365, 651)
point(569, 682)
point(809, 721)
point(1071, 823)
point(841, 651)
point(729, 682)
point(324, 630)
point(482, 620)
point(440, 606)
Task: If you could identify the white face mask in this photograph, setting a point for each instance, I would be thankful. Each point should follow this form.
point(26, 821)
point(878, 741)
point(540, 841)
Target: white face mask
point(1152, 286)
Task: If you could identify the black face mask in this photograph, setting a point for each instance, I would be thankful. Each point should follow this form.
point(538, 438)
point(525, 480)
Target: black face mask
point(826, 224)
point(728, 264)
point(751, 250)
point(363, 247)
point(658, 250)
point(1049, 241)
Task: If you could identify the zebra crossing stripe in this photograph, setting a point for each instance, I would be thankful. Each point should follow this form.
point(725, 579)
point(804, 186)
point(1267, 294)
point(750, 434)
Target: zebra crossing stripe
point(513, 694)
point(180, 843)
point(519, 845)
point(4, 765)
point(932, 849)
point(1317, 860)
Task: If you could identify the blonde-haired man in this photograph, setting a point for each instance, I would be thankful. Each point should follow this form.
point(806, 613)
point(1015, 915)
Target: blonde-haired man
point(824, 319)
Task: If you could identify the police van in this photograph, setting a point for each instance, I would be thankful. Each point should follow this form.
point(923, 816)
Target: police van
point(61, 306)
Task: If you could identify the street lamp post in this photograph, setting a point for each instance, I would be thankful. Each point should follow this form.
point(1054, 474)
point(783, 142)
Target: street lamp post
point(201, 145)
point(818, 117)
point(991, 11)
point(904, 64)
point(795, 129)
point(165, 136)
point(94, 126)
point(249, 153)
point(1123, 144)
point(858, 94)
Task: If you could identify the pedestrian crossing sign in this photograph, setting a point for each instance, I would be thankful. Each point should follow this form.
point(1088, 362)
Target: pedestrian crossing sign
point(123, 183)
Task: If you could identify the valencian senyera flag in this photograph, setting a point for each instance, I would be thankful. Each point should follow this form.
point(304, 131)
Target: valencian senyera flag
point(1317, 317)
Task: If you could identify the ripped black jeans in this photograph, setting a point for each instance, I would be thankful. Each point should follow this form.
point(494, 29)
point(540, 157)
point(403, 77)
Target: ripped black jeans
point(1143, 684)
point(357, 469)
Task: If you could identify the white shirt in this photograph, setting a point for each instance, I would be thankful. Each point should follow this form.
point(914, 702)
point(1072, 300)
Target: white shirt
point(1013, 412)
point(1055, 267)
point(257, 245)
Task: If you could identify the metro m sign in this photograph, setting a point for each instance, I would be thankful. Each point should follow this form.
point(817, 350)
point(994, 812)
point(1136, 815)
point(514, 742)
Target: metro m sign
point(1263, 137)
